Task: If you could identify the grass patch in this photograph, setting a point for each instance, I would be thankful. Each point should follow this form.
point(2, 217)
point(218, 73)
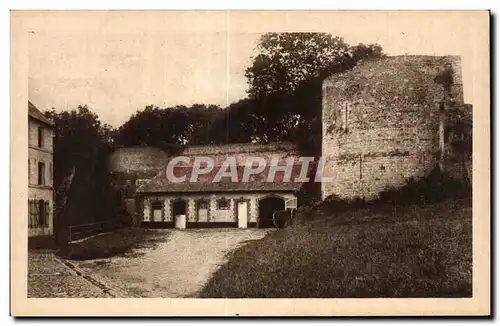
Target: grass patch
point(377, 251)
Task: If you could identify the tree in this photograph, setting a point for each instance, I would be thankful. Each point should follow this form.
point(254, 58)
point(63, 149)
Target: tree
point(82, 145)
point(79, 136)
point(285, 81)
point(235, 124)
point(163, 127)
point(199, 119)
point(366, 51)
point(289, 59)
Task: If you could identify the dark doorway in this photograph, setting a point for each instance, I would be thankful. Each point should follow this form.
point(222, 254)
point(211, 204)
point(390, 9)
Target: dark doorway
point(179, 208)
point(267, 206)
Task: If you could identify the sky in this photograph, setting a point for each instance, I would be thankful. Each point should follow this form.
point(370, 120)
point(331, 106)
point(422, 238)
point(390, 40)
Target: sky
point(120, 61)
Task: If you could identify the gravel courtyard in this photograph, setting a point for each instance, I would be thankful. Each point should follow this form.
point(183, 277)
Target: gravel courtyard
point(169, 264)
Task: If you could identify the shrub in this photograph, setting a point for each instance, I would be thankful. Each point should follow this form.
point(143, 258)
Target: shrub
point(437, 186)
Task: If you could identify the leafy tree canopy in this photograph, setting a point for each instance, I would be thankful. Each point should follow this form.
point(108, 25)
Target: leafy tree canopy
point(285, 81)
point(179, 125)
point(288, 60)
point(82, 144)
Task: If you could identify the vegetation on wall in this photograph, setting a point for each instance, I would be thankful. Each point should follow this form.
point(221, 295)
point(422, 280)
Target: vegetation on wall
point(458, 134)
point(438, 186)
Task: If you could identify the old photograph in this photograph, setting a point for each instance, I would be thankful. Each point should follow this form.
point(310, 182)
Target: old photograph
point(254, 155)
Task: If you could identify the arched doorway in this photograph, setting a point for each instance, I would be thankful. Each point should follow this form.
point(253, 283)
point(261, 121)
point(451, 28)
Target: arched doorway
point(179, 207)
point(267, 206)
point(179, 211)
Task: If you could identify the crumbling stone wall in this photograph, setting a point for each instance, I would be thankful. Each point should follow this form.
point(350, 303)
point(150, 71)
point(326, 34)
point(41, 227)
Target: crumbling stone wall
point(381, 123)
point(126, 166)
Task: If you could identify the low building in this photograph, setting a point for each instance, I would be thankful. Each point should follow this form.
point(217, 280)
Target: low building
point(40, 173)
point(227, 203)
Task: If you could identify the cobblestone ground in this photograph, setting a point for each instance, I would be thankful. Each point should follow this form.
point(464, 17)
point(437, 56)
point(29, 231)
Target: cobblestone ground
point(176, 263)
point(49, 277)
point(166, 264)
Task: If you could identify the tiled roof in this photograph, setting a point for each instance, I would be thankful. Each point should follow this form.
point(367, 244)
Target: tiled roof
point(36, 114)
point(258, 182)
point(241, 148)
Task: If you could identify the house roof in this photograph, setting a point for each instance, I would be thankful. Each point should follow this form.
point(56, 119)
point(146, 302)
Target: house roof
point(34, 113)
point(241, 148)
point(241, 152)
point(258, 182)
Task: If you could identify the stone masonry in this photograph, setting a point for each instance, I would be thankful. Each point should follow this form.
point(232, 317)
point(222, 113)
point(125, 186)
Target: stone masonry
point(381, 123)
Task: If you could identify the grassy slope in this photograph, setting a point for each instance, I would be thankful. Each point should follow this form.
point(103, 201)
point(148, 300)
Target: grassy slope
point(413, 251)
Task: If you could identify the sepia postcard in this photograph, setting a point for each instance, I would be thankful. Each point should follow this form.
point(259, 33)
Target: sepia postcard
point(250, 163)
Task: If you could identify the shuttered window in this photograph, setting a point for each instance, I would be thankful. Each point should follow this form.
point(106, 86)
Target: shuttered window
point(45, 221)
point(38, 213)
point(32, 214)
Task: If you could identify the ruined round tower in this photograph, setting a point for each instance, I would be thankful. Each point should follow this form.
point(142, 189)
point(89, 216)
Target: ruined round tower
point(383, 123)
point(127, 165)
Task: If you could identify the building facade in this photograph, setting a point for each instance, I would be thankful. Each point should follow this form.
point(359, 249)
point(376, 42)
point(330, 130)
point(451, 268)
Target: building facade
point(158, 202)
point(212, 209)
point(40, 173)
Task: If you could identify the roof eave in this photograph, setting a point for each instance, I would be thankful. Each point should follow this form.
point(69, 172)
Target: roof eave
point(46, 122)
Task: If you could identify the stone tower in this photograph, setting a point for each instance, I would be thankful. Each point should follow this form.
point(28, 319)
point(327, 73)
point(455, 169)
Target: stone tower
point(382, 123)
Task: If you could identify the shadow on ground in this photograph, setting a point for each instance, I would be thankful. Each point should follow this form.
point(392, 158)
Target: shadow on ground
point(121, 242)
point(43, 242)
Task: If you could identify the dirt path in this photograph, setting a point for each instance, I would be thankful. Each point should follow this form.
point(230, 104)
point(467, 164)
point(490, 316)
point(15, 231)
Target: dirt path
point(176, 264)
